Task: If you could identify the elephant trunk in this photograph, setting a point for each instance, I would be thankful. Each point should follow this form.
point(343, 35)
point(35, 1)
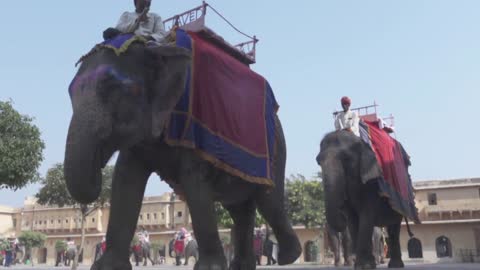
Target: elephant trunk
point(83, 162)
point(335, 194)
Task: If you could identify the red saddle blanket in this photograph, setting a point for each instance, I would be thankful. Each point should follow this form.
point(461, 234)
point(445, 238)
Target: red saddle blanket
point(226, 114)
point(396, 184)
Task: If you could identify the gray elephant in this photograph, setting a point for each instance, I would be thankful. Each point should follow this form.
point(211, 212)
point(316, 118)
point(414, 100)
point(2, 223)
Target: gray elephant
point(191, 250)
point(122, 103)
point(141, 252)
point(70, 256)
point(340, 243)
point(347, 162)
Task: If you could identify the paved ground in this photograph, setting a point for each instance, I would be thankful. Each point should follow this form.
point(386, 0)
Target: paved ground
point(290, 267)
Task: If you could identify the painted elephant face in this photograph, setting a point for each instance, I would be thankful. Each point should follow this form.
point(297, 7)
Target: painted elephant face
point(118, 101)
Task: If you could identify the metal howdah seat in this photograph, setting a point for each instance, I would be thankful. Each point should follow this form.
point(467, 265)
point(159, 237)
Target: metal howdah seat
point(194, 20)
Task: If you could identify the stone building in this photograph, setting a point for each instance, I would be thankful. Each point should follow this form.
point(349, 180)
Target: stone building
point(162, 216)
point(7, 222)
point(449, 210)
point(450, 215)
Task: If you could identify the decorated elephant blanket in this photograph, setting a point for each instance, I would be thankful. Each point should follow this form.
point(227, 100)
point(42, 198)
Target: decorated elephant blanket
point(395, 184)
point(227, 112)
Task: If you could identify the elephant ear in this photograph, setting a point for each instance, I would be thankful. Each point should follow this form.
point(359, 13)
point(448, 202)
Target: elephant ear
point(170, 67)
point(369, 167)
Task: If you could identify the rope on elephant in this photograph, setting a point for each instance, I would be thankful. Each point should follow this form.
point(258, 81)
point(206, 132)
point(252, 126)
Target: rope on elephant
point(92, 51)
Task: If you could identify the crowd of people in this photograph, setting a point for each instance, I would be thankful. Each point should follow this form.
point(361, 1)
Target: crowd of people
point(8, 252)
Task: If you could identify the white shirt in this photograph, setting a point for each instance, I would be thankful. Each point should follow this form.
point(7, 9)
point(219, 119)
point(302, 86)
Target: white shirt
point(348, 119)
point(152, 28)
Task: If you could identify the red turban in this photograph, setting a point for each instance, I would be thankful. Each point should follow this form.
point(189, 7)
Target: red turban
point(346, 100)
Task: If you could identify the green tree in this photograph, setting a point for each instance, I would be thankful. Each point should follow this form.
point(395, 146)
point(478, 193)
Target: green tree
point(225, 221)
point(305, 201)
point(54, 192)
point(60, 246)
point(135, 241)
point(31, 240)
point(20, 148)
point(156, 247)
point(3, 244)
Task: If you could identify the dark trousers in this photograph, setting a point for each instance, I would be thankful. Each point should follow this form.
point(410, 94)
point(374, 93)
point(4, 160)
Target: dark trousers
point(8, 257)
point(259, 259)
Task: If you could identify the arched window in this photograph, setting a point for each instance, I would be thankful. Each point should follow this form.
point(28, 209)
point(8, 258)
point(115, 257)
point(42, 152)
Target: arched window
point(443, 247)
point(310, 252)
point(415, 248)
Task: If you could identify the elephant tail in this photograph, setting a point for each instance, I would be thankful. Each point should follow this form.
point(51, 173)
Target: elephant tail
point(410, 233)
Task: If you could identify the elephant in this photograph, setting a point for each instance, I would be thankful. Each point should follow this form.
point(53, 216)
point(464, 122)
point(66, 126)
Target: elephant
point(340, 241)
point(191, 250)
point(123, 103)
point(70, 256)
point(19, 253)
point(352, 197)
point(142, 252)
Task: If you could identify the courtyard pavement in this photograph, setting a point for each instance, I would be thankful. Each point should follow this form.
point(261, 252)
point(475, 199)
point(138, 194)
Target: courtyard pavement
point(409, 266)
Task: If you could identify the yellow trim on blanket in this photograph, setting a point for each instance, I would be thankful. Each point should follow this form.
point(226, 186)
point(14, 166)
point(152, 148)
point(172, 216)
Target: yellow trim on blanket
point(191, 117)
point(222, 165)
point(125, 45)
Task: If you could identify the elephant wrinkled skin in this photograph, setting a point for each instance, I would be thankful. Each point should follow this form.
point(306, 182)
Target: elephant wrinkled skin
point(124, 105)
point(345, 160)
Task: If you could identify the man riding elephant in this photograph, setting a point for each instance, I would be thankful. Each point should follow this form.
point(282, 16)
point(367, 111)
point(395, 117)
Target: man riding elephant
point(144, 243)
point(347, 119)
point(141, 22)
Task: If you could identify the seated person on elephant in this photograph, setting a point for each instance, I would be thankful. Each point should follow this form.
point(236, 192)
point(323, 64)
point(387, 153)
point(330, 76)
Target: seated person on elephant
point(140, 22)
point(347, 120)
point(144, 236)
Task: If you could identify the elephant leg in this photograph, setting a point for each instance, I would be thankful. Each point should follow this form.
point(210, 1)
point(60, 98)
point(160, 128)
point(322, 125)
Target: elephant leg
point(394, 246)
point(365, 259)
point(347, 248)
point(336, 249)
point(271, 208)
point(150, 258)
point(128, 186)
point(145, 258)
point(243, 216)
point(199, 196)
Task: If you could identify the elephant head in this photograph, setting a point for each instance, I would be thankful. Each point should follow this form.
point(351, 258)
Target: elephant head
point(118, 101)
point(343, 157)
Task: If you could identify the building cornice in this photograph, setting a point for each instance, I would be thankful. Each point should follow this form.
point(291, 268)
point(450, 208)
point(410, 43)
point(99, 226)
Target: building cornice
point(446, 186)
point(452, 221)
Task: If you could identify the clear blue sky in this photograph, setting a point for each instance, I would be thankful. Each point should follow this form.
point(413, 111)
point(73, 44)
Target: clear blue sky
point(420, 60)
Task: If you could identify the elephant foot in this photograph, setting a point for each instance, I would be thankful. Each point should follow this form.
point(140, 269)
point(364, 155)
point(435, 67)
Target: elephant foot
point(289, 250)
point(211, 263)
point(396, 264)
point(359, 266)
point(111, 262)
point(243, 264)
point(365, 263)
